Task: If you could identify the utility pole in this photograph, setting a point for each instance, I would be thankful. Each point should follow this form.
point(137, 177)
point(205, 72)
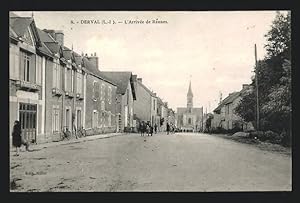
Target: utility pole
point(256, 84)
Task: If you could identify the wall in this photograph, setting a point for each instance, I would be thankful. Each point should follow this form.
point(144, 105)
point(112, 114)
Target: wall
point(142, 104)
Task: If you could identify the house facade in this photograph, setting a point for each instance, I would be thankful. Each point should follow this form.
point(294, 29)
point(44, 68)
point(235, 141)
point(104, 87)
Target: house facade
point(224, 115)
point(26, 78)
point(100, 100)
point(125, 96)
point(51, 86)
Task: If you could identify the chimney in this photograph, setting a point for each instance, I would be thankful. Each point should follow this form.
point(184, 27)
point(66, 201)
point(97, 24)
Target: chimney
point(59, 37)
point(245, 86)
point(140, 80)
point(94, 60)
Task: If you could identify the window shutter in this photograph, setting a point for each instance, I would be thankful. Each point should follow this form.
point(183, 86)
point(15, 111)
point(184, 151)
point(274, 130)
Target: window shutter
point(16, 62)
point(32, 69)
point(22, 74)
point(11, 62)
point(54, 75)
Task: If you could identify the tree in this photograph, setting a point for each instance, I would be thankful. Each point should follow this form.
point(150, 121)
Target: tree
point(246, 107)
point(279, 37)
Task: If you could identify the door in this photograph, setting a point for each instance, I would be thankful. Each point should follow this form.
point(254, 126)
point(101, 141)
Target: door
point(28, 121)
point(68, 119)
point(78, 119)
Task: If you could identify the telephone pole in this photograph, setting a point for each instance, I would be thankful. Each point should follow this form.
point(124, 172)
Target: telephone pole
point(256, 84)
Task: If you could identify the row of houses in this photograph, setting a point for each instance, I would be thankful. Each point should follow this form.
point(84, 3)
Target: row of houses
point(225, 117)
point(53, 88)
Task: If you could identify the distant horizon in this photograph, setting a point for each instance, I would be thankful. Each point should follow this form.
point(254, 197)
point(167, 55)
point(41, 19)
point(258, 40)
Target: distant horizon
point(215, 47)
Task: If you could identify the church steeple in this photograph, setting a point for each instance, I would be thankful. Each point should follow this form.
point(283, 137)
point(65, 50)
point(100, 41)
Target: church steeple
point(190, 97)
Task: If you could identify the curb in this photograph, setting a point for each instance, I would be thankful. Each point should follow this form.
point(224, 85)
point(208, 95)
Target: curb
point(72, 141)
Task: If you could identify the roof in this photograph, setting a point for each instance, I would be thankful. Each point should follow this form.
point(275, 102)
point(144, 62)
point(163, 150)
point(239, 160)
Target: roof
point(121, 79)
point(90, 67)
point(230, 98)
point(146, 88)
point(20, 24)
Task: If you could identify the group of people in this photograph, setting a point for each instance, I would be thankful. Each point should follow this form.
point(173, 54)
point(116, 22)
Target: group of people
point(147, 128)
point(17, 139)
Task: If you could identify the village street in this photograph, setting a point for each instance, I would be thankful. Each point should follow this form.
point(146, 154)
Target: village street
point(129, 162)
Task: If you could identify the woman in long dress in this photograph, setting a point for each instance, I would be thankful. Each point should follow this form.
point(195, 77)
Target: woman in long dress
point(16, 135)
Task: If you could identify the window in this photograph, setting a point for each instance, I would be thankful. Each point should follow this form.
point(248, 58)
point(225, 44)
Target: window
point(102, 91)
point(55, 119)
point(72, 80)
point(68, 79)
point(79, 82)
point(109, 118)
point(95, 90)
point(189, 121)
point(102, 106)
point(109, 95)
point(56, 75)
point(95, 119)
point(26, 65)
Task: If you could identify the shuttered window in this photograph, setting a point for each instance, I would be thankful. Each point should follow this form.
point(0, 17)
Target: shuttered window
point(14, 62)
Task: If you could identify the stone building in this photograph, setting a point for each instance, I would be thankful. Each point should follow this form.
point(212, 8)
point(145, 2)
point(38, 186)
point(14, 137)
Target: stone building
point(100, 99)
point(125, 96)
point(145, 105)
point(189, 118)
point(224, 115)
point(26, 77)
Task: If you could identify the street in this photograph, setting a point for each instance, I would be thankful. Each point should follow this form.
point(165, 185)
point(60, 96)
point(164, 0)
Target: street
point(175, 162)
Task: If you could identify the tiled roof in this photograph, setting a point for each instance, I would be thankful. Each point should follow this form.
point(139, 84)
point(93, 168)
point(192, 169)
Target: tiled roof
point(93, 69)
point(230, 98)
point(44, 36)
point(146, 88)
point(121, 79)
point(53, 46)
point(20, 24)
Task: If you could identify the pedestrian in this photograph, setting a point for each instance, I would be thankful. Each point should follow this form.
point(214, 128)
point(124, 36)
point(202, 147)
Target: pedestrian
point(168, 128)
point(16, 137)
point(148, 129)
point(155, 128)
point(151, 130)
point(142, 128)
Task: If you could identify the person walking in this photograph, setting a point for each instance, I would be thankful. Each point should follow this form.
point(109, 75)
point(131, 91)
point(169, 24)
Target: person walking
point(16, 137)
point(155, 128)
point(168, 128)
point(151, 130)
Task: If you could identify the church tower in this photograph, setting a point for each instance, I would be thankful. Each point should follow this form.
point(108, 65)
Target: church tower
point(190, 98)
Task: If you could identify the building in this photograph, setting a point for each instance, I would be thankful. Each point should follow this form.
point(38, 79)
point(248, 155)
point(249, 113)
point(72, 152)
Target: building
point(125, 96)
point(189, 118)
point(26, 78)
point(51, 86)
point(224, 116)
point(146, 104)
point(101, 96)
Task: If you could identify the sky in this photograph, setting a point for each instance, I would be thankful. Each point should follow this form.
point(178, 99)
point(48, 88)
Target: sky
point(212, 49)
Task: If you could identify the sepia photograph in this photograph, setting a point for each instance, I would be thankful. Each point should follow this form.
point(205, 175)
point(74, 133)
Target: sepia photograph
point(150, 101)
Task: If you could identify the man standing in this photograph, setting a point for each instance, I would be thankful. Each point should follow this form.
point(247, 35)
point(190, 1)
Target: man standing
point(155, 128)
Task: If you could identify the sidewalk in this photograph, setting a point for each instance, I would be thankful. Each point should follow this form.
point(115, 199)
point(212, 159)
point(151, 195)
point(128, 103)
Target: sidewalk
point(35, 147)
